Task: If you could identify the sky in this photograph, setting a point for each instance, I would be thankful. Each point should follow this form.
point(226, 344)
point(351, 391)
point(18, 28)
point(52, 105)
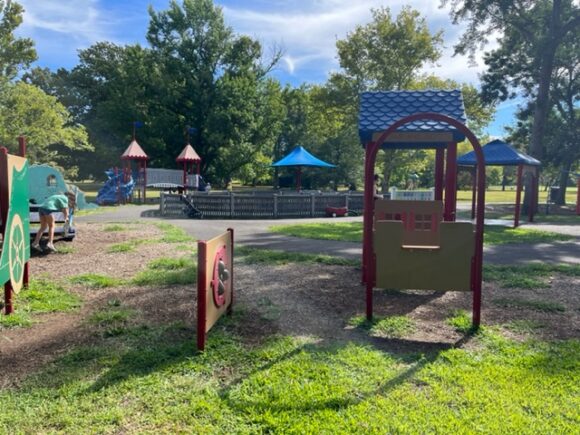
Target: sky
point(306, 31)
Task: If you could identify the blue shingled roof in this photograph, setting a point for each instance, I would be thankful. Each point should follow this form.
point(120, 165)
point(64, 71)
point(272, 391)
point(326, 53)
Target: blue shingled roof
point(300, 157)
point(499, 153)
point(380, 110)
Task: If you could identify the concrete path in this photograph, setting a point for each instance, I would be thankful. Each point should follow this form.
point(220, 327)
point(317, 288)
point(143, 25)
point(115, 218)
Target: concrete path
point(255, 233)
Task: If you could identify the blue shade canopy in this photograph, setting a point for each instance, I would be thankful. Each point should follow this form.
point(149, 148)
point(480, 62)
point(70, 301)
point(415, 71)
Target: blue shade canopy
point(300, 157)
point(380, 110)
point(499, 153)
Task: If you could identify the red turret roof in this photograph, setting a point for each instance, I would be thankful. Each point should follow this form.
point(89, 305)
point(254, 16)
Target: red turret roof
point(188, 155)
point(134, 152)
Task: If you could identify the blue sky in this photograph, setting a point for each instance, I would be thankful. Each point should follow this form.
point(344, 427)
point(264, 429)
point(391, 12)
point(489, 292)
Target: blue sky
point(306, 30)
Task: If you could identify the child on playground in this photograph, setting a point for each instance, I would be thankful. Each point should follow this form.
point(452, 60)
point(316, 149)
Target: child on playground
point(52, 204)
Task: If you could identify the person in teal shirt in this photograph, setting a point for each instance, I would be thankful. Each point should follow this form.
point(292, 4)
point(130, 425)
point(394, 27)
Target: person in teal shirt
point(52, 204)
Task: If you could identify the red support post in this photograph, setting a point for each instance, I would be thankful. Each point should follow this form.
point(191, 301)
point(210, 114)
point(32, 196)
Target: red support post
point(22, 146)
point(8, 298)
point(231, 307)
point(144, 181)
point(368, 216)
point(518, 197)
point(451, 182)
point(184, 176)
point(201, 294)
point(439, 173)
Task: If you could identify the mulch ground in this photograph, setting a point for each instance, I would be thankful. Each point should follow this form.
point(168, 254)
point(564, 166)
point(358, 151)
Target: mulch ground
point(296, 299)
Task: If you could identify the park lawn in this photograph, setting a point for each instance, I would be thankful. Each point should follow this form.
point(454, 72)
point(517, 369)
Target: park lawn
point(150, 379)
point(496, 195)
point(352, 232)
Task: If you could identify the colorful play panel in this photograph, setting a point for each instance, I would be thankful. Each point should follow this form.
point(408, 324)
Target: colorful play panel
point(215, 282)
point(15, 224)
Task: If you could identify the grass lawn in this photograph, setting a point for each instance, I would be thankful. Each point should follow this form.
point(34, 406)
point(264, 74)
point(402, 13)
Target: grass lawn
point(509, 195)
point(151, 380)
point(352, 232)
point(135, 368)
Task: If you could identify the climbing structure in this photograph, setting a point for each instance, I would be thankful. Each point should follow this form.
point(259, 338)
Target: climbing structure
point(134, 152)
point(418, 244)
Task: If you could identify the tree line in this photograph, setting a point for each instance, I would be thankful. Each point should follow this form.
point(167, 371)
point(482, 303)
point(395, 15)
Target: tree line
point(195, 71)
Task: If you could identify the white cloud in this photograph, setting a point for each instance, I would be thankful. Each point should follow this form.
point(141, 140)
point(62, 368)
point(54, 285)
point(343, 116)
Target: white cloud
point(82, 21)
point(308, 31)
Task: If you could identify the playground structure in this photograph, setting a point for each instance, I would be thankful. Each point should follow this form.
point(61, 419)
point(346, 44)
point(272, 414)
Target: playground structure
point(122, 185)
point(215, 282)
point(418, 244)
point(14, 225)
point(499, 153)
point(412, 195)
point(46, 181)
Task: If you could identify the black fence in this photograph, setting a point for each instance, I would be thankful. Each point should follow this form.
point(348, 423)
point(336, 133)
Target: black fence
point(259, 206)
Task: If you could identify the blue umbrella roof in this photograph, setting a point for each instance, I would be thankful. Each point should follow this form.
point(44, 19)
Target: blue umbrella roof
point(380, 110)
point(300, 157)
point(499, 153)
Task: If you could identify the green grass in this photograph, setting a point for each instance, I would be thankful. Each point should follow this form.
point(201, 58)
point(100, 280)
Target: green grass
point(42, 296)
point(389, 326)
point(274, 257)
point(530, 276)
point(167, 272)
point(93, 280)
point(523, 326)
point(128, 246)
point(91, 211)
point(18, 319)
point(113, 320)
point(343, 231)
point(352, 232)
point(115, 227)
point(461, 321)
point(537, 305)
point(496, 195)
point(150, 379)
point(496, 235)
point(173, 234)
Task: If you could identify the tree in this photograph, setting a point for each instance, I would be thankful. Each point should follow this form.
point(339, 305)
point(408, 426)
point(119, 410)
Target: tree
point(15, 53)
point(531, 33)
point(27, 110)
point(386, 54)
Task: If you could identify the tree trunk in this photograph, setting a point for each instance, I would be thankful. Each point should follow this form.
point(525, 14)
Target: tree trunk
point(542, 105)
point(563, 184)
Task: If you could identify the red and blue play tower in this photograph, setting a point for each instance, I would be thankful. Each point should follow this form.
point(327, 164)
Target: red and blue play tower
point(420, 120)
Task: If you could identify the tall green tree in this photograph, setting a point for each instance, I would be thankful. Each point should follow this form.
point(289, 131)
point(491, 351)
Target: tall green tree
point(27, 110)
point(16, 53)
point(386, 54)
point(531, 32)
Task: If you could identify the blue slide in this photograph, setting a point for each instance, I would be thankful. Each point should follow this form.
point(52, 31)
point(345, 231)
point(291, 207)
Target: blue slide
point(109, 193)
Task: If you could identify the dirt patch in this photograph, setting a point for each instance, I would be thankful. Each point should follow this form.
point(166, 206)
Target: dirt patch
point(299, 299)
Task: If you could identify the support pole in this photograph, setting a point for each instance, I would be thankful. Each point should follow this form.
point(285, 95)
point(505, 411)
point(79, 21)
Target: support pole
point(451, 182)
point(473, 190)
point(22, 153)
point(369, 206)
point(144, 181)
point(298, 179)
point(518, 196)
point(439, 173)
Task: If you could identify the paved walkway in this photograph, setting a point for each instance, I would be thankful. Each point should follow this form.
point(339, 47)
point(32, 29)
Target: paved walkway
point(255, 233)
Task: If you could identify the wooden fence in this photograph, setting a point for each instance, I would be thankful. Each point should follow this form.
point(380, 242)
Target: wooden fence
point(260, 206)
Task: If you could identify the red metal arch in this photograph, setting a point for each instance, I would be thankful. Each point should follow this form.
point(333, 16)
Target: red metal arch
point(369, 265)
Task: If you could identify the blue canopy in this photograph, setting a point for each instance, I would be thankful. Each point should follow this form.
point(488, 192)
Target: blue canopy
point(300, 157)
point(499, 153)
